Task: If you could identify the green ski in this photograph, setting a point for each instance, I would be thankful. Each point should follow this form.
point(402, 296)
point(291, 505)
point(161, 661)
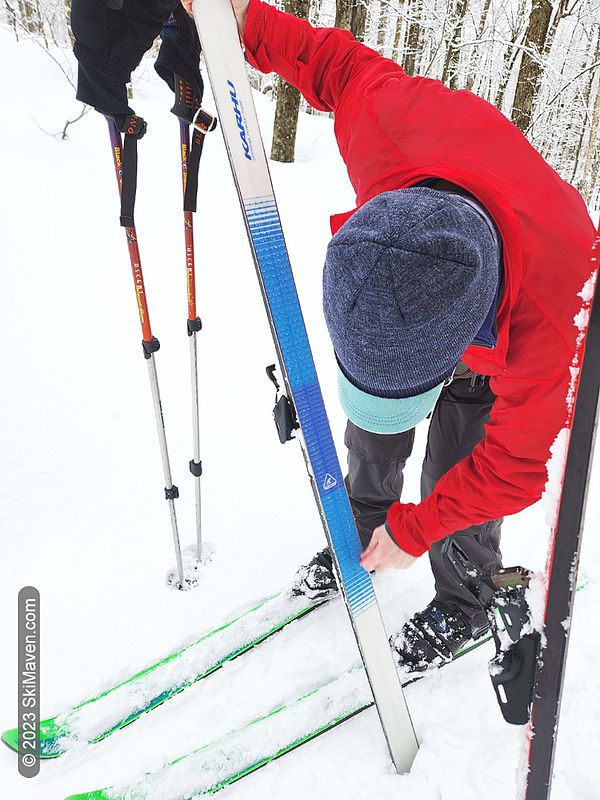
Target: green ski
point(97, 717)
point(241, 752)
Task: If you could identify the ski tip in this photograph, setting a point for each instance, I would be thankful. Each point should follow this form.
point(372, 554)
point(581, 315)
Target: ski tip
point(97, 794)
point(49, 746)
point(11, 739)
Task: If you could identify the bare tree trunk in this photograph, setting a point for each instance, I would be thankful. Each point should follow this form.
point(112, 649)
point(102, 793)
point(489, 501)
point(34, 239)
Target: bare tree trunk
point(480, 30)
point(558, 149)
point(592, 157)
point(358, 22)
point(12, 18)
point(530, 71)
point(398, 37)
point(399, 33)
point(412, 38)
point(29, 16)
point(591, 169)
point(288, 102)
point(40, 20)
point(381, 21)
point(510, 57)
point(68, 21)
point(351, 15)
point(450, 73)
point(561, 11)
point(343, 14)
point(382, 26)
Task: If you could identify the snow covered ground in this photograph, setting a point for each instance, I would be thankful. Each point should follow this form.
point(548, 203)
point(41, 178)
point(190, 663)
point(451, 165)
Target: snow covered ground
point(83, 517)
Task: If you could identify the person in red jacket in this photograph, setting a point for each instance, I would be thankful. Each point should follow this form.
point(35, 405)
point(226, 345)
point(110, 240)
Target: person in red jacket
point(450, 291)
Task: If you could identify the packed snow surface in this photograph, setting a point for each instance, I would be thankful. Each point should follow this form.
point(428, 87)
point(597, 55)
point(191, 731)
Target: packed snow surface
point(83, 515)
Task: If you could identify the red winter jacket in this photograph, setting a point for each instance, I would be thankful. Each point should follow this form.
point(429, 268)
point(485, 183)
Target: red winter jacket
point(394, 131)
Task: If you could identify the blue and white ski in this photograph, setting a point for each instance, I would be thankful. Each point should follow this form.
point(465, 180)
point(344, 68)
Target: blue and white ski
point(238, 121)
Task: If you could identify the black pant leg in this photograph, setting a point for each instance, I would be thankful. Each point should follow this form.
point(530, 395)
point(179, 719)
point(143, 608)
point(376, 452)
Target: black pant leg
point(456, 427)
point(374, 480)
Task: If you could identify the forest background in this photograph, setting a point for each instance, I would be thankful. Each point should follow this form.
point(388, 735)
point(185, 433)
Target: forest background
point(538, 61)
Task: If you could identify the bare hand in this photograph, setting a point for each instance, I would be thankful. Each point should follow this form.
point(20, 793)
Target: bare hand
point(240, 9)
point(383, 553)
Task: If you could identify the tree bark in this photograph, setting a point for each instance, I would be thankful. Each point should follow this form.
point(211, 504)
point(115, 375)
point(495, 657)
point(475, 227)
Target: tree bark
point(351, 15)
point(450, 73)
point(591, 167)
point(382, 25)
point(396, 55)
point(30, 16)
point(343, 14)
point(592, 155)
point(530, 71)
point(413, 37)
point(288, 102)
point(68, 21)
point(12, 17)
point(561, 10)
point(480, 30)
point(510, 57)
point(358, 23)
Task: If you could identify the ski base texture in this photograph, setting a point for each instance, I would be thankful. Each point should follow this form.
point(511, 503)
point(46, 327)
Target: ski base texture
point(240, 753)
point(563, 562)
point(97, 717)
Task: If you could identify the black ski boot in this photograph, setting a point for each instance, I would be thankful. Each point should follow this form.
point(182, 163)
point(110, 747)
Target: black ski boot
point(316, 580)
point(433, 637)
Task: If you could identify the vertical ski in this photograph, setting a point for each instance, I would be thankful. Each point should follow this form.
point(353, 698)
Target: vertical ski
point(227, 72)
point(563, 560)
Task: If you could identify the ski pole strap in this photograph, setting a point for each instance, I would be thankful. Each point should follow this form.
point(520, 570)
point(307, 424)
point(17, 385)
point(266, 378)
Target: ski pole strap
point(202, 123)
point(134, 128)
point(187, 108)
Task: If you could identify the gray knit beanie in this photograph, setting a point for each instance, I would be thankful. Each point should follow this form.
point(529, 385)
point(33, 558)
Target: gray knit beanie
point(408, 282)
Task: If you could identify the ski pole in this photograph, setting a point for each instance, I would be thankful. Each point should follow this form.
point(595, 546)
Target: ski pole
point(202, 123)
point(194, 326)
point(150, 343)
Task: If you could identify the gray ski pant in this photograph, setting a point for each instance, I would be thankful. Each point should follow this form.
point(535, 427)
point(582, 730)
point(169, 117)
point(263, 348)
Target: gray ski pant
point(375, 478)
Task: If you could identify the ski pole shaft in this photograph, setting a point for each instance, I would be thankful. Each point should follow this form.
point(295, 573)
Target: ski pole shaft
point(194, 325)
point(184, 134)
point(171, 491)
point(150, 345)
